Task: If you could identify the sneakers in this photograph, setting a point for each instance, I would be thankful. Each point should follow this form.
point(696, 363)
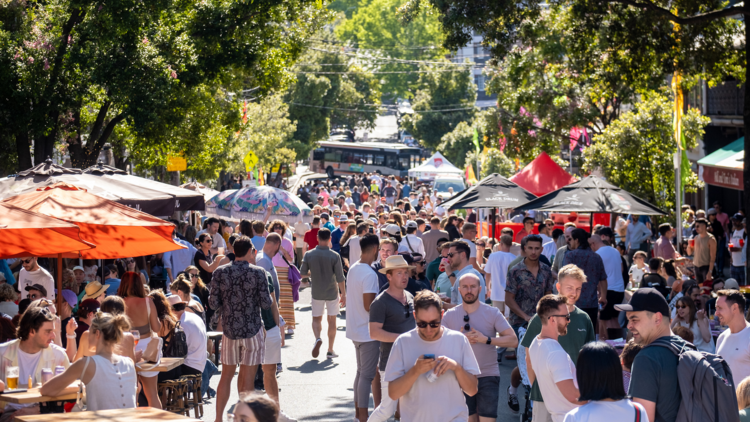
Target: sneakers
point(316, 348)
point(283, 417)
point(279, 368)
point(331, 355)
point(290, 330)
point(513, 401)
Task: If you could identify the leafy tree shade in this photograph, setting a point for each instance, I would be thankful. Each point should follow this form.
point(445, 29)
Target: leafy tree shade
point(458, 145)
point(76, 70)
point(636, 151)
point(318, 101)
point(376, 31)
point(453, 92)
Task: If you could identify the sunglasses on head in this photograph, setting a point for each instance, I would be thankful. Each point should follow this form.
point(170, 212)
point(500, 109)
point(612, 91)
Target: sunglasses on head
point(424, 324)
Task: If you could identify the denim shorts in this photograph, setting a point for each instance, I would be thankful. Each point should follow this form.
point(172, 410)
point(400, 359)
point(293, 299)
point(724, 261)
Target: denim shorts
point(484, 402)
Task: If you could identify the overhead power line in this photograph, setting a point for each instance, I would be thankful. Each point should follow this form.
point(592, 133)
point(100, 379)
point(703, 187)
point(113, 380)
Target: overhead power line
point(392, 59)
point(382, 47)
point(378, 111)
point(385, 73)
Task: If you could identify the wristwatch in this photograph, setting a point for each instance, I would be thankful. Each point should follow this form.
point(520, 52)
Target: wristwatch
point(489, 340)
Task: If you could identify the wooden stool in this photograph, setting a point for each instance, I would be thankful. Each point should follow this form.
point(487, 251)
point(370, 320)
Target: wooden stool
point(193, 396)
point(172, 394)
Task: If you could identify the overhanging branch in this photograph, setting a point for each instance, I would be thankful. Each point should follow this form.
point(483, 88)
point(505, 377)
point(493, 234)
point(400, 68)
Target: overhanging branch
point(692, 20)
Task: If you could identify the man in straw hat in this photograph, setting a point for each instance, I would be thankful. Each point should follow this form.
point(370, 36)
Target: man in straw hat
point(94, 290)
point(390, 316)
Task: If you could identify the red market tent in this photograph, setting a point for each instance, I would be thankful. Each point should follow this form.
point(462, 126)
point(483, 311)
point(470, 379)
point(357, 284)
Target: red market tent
point(542, 176)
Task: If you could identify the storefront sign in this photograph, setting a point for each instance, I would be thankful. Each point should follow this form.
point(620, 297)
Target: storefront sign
point(723, 177)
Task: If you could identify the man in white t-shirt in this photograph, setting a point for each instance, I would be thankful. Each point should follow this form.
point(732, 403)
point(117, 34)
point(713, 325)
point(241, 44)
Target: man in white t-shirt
point(737, 270)
point(469, 233)
point(31, 274)
point(355, 249)
point(496, 270)
point(734, 344)
point(549, 247)
point(411, 243)
point(195, 334)
point(608, 323)
point(362, 287)
point(32, 351)
point(552, 367)
point(429, 367)
point(212, 228)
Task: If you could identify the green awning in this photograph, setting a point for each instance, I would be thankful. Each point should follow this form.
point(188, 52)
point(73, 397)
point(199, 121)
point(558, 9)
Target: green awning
point(724, 167)
point(731, 156)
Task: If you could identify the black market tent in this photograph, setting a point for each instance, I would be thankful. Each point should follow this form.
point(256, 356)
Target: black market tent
point(185, 199)
point(150, 201)
point(594, 195)
point(494, 191)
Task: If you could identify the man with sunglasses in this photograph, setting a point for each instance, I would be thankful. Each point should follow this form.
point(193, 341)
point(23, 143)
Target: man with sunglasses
point(390, 316)
point(431, 366)
point(580, 331)
point(528, 227)
point(31, 273)
point(550, 365)
point(480, 323)
point(33, 350)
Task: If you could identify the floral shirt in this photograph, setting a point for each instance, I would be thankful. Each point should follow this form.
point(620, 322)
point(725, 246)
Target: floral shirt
point(593, 266)
point(527, 289)
point(238, 292)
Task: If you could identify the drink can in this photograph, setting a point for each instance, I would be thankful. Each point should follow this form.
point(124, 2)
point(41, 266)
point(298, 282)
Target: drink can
point(432, 376)
point(59, 369)
point(46, 375)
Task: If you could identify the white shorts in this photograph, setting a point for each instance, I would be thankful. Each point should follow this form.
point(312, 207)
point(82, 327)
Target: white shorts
point(272, 355)
point(332, 307)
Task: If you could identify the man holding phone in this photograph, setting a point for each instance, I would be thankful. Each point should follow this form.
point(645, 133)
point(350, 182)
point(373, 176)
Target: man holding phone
point(431, 366)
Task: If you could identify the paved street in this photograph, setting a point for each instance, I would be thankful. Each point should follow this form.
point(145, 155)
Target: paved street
point(320, 389)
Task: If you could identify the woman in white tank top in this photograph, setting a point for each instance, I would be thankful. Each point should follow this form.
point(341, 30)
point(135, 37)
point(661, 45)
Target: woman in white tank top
point(110, 379)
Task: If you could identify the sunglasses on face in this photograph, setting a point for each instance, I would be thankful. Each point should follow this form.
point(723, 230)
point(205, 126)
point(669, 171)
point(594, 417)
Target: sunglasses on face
point(450, 255)
point(550, 224)
point(424, 324)
point(27, 261)
point(567, 317)
point(681, 306)
point(129, 261)
point(208, 241)
point(193, 275)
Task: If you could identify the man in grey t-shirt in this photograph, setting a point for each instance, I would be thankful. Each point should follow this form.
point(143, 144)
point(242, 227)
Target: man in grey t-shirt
point(391, 314)
point(323, 267)
point(264, 259)
point(479, 323)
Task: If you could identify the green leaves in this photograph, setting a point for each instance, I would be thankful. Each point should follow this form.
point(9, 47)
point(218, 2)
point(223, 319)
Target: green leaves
point(636, 151)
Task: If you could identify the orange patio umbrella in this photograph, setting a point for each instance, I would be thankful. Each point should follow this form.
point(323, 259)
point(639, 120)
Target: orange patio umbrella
point(25, 233)
point(117, 230)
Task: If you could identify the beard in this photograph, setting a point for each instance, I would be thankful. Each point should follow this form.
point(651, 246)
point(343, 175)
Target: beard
point(562, 329)
point(469, 299)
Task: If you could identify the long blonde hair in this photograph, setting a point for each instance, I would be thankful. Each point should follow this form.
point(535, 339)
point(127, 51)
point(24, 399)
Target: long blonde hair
point(743, 394)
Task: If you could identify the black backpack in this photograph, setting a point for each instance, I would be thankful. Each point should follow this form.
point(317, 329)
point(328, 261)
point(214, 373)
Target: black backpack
point(176, 347)
point(706, 384)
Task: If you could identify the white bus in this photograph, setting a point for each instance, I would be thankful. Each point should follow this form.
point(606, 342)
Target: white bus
point(334, 158)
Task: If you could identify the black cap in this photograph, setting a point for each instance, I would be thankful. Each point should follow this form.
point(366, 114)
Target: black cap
point(646, 299)
point(37, 287)
point(738, 217)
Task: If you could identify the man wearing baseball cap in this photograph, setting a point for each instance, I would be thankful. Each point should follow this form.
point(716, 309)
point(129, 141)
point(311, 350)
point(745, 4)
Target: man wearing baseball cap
point(338, 233)
point(736, 243)
point(36, 291)
point(411, 243)
point(654, 382)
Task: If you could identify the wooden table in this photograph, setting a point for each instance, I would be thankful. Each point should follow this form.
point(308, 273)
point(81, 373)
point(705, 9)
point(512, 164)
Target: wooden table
point(165, 365)
point(215, 335)
point(115, 415)
point(33, 396)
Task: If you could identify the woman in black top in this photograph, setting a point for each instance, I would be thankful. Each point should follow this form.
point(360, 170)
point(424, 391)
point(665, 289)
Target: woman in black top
point(206, 262)
point(452, 229)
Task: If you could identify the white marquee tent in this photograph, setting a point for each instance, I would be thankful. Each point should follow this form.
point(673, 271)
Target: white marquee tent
point(436, 166)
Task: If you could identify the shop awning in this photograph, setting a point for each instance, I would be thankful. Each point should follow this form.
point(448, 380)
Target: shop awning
point(724, 167)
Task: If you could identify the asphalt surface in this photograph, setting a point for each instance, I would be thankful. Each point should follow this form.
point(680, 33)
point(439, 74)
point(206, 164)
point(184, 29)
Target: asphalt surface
point(320, 389)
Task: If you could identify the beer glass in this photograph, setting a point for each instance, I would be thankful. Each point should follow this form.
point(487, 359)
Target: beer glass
point(11, 377)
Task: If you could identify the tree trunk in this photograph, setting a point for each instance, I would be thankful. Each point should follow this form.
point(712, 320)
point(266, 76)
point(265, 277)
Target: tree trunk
point(277, 181)
point(746, 121)
point(23, 149)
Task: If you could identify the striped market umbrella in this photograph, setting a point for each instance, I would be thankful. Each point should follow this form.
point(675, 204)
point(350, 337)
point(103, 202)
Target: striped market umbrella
point(261, 203)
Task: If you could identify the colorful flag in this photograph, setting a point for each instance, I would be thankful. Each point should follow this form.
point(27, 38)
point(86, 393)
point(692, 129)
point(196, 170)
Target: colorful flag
point(475, 138)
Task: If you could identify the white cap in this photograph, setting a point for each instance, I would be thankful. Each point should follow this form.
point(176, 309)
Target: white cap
point(393, 229)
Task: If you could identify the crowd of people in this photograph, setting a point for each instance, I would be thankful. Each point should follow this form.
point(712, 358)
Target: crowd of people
point(595, 322)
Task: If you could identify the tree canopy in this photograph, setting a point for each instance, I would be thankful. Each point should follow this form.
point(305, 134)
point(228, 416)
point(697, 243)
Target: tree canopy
point(75, 71)
point(636, 151)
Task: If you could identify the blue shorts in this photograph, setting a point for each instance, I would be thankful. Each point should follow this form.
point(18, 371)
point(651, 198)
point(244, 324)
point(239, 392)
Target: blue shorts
point(484, 402)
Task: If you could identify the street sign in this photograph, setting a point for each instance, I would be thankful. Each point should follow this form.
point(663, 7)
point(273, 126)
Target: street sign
point(250, 160)
point(176, 163)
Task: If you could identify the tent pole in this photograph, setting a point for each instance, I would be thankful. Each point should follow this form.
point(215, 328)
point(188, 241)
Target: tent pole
point(591, 224)
point(58, 296)
point(492, 222)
